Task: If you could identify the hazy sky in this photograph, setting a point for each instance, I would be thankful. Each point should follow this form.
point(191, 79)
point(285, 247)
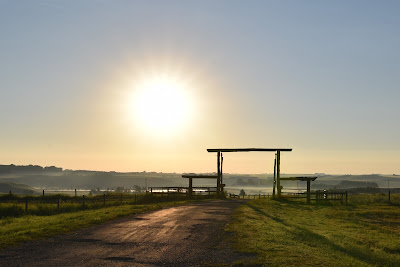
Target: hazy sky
point(321, 77)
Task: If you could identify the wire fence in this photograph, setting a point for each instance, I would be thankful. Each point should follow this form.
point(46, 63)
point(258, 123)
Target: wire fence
point(16, 205)
point(329, 196)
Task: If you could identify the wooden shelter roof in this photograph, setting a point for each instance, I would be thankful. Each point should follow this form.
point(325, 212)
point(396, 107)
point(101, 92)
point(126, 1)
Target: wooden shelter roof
point(307, 178)
point(192, 175)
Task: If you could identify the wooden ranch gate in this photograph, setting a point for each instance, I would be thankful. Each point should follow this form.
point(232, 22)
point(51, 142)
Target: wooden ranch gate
point(220, 160)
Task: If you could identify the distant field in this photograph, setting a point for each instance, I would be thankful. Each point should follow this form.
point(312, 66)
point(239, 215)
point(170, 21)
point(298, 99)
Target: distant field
point(289, 232)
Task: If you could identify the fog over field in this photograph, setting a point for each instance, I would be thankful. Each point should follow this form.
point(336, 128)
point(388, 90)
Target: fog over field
point(53, 178)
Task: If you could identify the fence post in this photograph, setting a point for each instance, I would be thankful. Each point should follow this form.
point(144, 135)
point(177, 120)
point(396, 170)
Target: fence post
point(75, 193)
point(83, 200)
point(10, 193)
point(121, 198)
point(389, 196)
point(259, 196)
point(26, 205)
point(104, 199)
point(58, 204)
point(346, 197)
point(43, 192)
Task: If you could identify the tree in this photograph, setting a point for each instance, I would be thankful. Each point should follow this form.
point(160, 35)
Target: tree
point(119, 189)
point(242, 193)
point(137, 188)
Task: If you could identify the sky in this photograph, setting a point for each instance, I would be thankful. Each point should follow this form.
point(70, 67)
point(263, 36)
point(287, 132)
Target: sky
point(321, 77)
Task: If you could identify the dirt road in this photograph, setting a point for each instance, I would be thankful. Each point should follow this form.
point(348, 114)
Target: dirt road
point(188, 235)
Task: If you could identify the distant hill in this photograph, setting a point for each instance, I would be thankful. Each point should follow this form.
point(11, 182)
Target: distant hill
point(57, 178)
point(6, 187)
point(8, 169)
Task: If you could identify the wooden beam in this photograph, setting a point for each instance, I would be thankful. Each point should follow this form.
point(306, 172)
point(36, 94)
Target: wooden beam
point(247, 149)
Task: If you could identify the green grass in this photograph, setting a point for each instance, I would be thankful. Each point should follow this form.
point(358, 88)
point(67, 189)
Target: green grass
point(289, 232)
point(14, 230)
point(15, 205)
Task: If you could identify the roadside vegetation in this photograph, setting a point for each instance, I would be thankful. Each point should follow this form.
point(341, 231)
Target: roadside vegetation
point(45, 219)
point(288, 232)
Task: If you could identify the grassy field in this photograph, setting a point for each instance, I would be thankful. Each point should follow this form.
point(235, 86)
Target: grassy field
point(289, 232)
point(22, 205)
point(14, 230)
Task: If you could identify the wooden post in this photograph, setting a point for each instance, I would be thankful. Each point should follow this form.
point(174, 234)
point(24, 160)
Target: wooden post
point(274, 183)
point(278, 172)
point(43, 192)
point(75, 193)
point(58, 203)
point(308, 191)
point(190, 192)
point(10, 193)
point(346, 197)
point(104, 199)
point(26, 205)
point(221, 174)
point(218, 173)
point(389, 196)
point(83, 200)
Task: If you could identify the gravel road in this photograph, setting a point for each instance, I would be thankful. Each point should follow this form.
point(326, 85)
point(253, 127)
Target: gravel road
point(187, 235)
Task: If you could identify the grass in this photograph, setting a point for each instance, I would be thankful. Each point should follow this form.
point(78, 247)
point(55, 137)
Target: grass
point(15, 205)
point(15, 230)
point(289, 232)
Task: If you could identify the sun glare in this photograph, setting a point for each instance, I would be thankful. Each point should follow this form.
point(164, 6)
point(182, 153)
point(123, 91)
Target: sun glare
point(161, 104)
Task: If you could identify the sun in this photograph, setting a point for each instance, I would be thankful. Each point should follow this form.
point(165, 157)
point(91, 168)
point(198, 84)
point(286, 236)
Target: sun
point(161, 104)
